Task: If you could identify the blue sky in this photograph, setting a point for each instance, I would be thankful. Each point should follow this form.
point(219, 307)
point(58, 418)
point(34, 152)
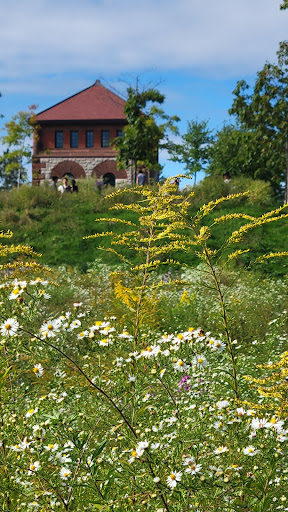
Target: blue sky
point(194, 52)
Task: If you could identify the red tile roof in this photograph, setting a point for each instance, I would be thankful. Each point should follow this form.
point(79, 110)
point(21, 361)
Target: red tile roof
point(94, 103)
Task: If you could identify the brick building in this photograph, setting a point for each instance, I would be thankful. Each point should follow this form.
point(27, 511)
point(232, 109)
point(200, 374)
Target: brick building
point(74, 138)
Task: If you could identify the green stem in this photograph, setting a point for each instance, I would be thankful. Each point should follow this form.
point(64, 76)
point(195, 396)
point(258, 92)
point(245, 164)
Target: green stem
point(225, 320)
point(137, 321)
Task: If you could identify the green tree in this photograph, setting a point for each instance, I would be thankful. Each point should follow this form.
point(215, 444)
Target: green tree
point(18, 141)
point(265, 111)
point(242, 152)
point(194, 149)
point(284, 5)
point(8, 178)
point(143, 136)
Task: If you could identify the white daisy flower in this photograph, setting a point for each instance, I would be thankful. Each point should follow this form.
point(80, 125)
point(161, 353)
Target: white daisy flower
point(9, 327)
point(173, 478)
point(64, 473)
point(51, 447)
point(125, 334)
point(105, 342)
point(24, 444)
point(240, 411)
point(199, 361)
point(89, 461)
point(49, 329)
point(82, 334)
point(31, 412)
point(34, 466)
point(19, 284)
point(222, 404)
point(250, 450)
point(38, 280)
point(141, 447)
point(107, 330)
point(192, 467)
point(133, 456)
point(275, 425)
point(76, 323)
point(217, 345)
point(69, 445)
point(63, 457)
point(44, 294)
point(151, 351)
point(180, 366)
point(221, 449)
point(131, 378)
point(257, 423)
point(38, 370)
point(17, 292)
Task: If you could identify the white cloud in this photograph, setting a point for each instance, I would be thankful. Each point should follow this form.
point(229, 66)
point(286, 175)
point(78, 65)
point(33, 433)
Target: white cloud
point(215, 38)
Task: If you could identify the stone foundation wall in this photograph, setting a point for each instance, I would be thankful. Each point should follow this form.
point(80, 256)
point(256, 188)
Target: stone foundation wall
point(47, 164)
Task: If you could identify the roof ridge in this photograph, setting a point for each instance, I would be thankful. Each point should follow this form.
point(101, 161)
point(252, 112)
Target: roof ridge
point(97, 83)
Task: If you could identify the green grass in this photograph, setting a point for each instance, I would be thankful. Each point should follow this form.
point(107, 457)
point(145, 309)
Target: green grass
point(55, 226)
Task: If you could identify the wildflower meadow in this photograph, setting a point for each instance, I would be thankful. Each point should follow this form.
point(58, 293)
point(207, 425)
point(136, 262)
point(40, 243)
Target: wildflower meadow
point(149, 385)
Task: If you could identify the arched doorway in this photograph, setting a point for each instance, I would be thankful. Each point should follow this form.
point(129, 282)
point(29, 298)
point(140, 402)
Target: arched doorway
point(109, 179)
point(68, 169)
point(109, 169)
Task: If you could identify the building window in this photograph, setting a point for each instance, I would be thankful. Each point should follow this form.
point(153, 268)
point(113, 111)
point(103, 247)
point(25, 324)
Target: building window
point(74, 139)
point(104, 138)
point(89, 139)
point(59, 139)
point(119, 133)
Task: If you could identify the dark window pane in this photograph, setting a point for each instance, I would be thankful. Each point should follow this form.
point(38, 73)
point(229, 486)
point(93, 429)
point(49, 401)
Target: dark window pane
point(89, 139)
point(119, 133)
point(105, 138)
point(74, 139)
point(59, 139)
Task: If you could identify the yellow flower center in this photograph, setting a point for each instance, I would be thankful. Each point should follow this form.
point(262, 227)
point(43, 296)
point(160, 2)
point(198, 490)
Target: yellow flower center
point(149, 349)
point(50, 327)
point(200, 360)
point(173, 477)
point(35, 370)
point(16, 291)
point(181, 363)
point(51, 446)
point(134, 453)
point(8, 327)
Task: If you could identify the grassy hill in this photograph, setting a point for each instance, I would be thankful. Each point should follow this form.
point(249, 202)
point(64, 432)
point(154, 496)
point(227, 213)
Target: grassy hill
point(55, 226)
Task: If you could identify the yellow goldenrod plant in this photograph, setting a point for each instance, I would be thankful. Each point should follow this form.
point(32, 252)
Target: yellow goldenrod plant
point(165, 225)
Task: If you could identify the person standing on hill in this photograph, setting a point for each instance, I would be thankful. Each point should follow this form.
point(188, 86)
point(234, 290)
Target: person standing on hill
point(141, 178)
point(74, 187)
point(64, 187)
